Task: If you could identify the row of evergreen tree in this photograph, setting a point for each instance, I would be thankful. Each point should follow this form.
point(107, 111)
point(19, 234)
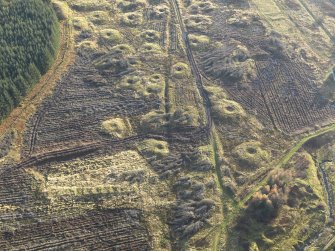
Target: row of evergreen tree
point(29, 40)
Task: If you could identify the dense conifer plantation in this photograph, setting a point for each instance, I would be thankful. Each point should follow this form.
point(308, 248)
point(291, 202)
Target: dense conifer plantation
point(29, 38)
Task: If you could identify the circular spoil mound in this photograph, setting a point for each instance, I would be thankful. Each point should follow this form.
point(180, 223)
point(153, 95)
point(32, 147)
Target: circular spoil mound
point(251, 155)
point(160, 12)
point(99, 17)
point(226, 110)
point(133, 82)
point(131, 5)
point(156, 79)
point(201, 7)
point(215, 93)
point(199, 42)
point(155, 84)
point(150, 48)
point(132, 19)
point(198, 22)
point(117, 127)
point(181, 118)
point(123, 49)
point(150, 36)
point(80, 23)
point(231, 62)
point(115, 63)
point(88, 46)
point(153, 148)
point(243, 19)
point(110, 36)
point(180, 70)
point(154, 121)
point(86, 6)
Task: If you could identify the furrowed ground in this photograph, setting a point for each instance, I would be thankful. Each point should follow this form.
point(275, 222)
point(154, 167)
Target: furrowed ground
point(177, 125)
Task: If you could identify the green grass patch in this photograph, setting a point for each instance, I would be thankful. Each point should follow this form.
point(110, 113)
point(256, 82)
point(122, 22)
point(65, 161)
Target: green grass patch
point(150, 36)
point(117, 127)
point(154, 148)
point(132, 19)
point(110, 36)
point(250, 154)
point(180, 70)
point(98, 17)
point(199, 42)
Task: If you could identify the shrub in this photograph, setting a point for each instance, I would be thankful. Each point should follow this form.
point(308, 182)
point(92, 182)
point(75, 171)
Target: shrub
point(199, 160)
point(275, 45)
point(180, 118)
point(265, 204)
point(187, 218)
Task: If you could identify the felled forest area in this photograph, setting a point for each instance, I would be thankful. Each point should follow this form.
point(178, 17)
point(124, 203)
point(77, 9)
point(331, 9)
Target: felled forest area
point(266, 75)
point(124, 130)
point(267, 70)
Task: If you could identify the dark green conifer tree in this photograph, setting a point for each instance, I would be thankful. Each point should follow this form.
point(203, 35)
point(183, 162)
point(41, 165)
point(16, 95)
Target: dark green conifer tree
point(29, 40)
